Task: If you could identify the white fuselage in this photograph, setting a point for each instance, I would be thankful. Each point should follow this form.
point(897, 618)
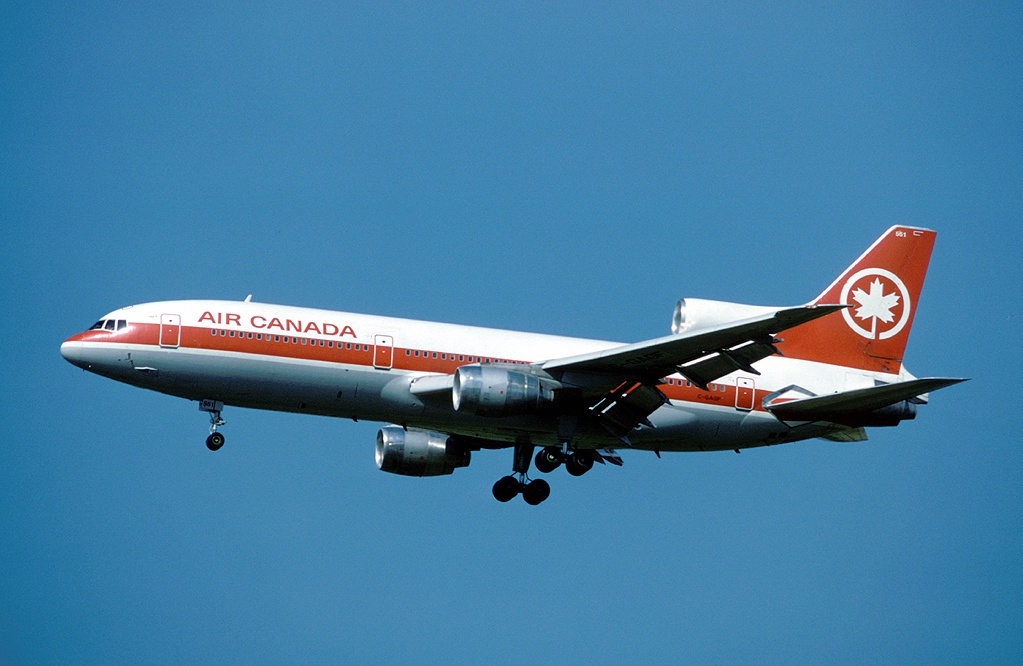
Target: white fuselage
point(363, 367)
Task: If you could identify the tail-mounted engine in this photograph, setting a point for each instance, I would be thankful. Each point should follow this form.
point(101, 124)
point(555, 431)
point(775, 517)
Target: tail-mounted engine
point(486, 390)
point(418, 452)
point(703, 313)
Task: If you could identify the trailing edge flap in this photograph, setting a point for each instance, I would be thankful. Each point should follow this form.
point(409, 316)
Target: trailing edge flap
point(659, 357)
point(608, 455)
point(824, 407)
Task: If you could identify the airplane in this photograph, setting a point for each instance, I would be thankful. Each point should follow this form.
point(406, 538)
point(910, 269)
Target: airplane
point(729, 376)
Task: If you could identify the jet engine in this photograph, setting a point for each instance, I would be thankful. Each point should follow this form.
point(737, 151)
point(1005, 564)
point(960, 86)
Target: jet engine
point(703, 313)
point(486, 390)
point(418, 452)
point(891, 415)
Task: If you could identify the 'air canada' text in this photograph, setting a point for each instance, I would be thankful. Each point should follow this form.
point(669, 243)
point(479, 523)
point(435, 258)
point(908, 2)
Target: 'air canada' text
point(276, 323)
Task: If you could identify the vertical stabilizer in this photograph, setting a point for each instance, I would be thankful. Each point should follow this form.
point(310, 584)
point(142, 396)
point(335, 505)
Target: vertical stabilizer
point(882, 288)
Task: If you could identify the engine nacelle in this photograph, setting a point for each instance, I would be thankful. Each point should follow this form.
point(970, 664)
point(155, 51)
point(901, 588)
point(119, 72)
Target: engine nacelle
point(486, 390)
point(891, 415)
point(700, 312)
point(418, 452)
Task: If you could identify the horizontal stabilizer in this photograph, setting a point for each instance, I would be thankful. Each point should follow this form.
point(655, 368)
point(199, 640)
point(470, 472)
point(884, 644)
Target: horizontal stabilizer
point(837, 405)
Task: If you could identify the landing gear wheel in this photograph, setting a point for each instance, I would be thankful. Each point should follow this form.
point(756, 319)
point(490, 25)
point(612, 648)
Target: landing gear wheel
point(579, 463)
point(548, 459)
point(506, 488)
point(536, 491)
point(214, 441)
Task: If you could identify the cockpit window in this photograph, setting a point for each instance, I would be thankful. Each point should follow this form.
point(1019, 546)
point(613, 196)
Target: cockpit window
point(98, 325)
point(122, 323)
point(110, 324)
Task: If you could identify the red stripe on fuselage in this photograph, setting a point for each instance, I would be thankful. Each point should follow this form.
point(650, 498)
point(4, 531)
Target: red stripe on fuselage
point(361, 354)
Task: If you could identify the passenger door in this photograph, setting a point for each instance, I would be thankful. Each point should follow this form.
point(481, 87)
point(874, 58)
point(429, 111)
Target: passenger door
point(383, 354)
point(745, 394)
point(170, 330)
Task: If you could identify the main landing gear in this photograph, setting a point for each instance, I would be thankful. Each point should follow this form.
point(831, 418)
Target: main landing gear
point(547, 460)
point(533, 492)
point(216, 439)
point(577, 463)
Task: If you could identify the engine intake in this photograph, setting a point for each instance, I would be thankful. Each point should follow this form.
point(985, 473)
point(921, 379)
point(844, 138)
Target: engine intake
point(702, 313)
point(486, 390)
point(418, 452)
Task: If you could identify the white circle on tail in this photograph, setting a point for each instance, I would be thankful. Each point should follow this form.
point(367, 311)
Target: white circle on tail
point(880, 306)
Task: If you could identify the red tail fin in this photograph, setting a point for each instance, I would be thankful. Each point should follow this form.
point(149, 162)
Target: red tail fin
point(883, 287)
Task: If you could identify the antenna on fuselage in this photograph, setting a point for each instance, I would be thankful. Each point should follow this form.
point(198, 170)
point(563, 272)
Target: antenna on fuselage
point(248, 299)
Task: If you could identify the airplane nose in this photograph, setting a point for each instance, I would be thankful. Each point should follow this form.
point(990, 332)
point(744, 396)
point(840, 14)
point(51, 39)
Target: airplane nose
point(72, 353)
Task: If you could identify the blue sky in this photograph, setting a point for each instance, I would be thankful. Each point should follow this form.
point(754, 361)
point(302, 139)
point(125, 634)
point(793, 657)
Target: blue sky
point(572, 169)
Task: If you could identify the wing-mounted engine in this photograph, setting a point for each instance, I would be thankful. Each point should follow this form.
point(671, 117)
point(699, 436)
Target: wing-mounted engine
point(418, 452)
point(493, 390)
point(693, 313)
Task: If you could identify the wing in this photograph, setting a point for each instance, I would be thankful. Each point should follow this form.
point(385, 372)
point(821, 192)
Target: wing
point(628, 375)
point(706, 354)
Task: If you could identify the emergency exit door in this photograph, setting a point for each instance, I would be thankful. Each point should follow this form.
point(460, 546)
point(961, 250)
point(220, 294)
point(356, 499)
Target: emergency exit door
point(170, 330)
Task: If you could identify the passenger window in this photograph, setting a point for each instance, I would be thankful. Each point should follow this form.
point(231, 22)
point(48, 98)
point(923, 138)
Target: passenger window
point(259, 336)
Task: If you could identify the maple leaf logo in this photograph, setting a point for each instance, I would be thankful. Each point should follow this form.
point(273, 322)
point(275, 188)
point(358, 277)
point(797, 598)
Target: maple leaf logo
point(875, 305)
point(893, 309)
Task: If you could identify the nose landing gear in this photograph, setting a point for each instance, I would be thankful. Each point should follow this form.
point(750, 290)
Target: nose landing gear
point(216, 439)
